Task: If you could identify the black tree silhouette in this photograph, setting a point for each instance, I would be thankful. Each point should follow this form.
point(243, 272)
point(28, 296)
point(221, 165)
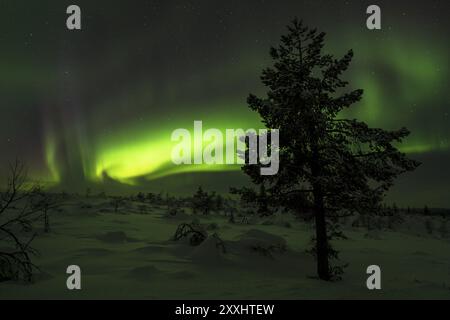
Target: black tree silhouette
point(341, 166)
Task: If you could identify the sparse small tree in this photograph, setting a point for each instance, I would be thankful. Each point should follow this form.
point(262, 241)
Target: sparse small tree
point(394, 218)
point(117, 202)
point(218, 203)
point(158, 199)
point(251, 197)
point(202, 202)
point(174, 206)
point(150, 197)
point(102, 195)
point(394, 208)
point(45, 202)
point(230, 210)
point(140, 197)
point(17, 216)
point(429, 225)
point(193, 232)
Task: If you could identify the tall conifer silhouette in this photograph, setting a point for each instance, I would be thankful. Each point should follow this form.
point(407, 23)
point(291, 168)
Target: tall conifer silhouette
point(341, 166)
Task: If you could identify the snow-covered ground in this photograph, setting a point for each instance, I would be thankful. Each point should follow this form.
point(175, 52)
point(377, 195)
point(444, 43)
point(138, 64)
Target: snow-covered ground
point(131, 254)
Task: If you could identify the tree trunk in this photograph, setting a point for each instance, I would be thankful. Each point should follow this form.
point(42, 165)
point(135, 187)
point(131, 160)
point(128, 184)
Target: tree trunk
point(322, 252)
point(323, 267)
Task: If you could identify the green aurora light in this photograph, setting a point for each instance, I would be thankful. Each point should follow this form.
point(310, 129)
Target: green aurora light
point(101, 104)
point(132, 153)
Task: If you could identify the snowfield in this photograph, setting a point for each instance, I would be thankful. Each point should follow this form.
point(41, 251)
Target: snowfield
point(131, 254)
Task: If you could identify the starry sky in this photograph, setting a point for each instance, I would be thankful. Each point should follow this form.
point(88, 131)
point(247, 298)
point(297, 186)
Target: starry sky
point(97, 106)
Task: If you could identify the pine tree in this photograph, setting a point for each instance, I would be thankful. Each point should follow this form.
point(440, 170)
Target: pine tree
point(259, 200)
point(202, 201)
point(218, 203)
point(140, 197)
point(341, 165)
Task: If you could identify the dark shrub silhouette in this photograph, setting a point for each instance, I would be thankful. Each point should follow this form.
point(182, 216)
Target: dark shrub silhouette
point(17, 215)
point(202, 202)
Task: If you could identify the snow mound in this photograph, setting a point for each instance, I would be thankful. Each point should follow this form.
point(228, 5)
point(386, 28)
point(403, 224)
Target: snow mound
point(183, 275)
point(115, 237)
point(145, 273)
point(254, 237)
point(94, 252)
point(210, 251)
point(373, 234)
point(151, 249)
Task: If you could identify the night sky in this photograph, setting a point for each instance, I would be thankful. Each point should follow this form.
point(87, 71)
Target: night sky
point(99, 105)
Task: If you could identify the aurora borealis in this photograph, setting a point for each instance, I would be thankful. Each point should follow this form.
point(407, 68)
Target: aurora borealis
point(100, 104)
